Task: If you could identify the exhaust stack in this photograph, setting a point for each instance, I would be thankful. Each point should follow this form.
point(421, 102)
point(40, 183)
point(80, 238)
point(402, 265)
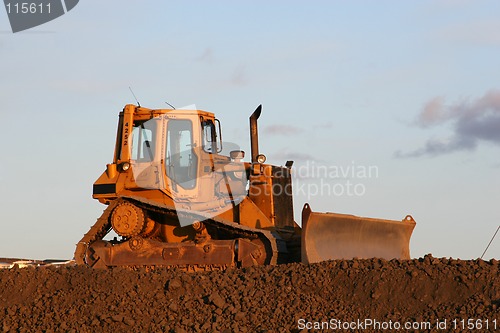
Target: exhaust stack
point(254, 133)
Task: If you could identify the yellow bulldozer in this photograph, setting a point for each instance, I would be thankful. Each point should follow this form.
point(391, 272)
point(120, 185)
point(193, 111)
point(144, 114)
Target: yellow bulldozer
point(174, 199)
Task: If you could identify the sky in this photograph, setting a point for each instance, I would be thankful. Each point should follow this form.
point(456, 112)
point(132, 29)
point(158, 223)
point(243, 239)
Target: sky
point(388, 108)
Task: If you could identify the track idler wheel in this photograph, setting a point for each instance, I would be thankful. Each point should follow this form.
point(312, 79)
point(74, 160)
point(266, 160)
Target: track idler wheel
point(127, 220)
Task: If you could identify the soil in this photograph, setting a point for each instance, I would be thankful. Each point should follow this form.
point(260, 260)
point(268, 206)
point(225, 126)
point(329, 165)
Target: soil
point(459, 295)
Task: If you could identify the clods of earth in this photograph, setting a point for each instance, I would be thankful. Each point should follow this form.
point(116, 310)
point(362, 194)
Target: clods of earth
point(373, 295)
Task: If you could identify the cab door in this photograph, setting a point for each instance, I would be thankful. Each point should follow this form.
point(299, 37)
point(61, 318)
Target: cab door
point(145, 154)
point(181, 157)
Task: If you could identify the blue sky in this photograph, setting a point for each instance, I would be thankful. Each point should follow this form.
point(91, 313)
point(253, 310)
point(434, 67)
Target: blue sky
point(409, 87)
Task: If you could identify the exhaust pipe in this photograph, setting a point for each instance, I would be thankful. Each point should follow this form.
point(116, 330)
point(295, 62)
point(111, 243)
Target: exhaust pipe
point(254, 133)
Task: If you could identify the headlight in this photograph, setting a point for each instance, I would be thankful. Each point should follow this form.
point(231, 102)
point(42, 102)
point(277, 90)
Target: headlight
point(261, 158)
point(125, 166)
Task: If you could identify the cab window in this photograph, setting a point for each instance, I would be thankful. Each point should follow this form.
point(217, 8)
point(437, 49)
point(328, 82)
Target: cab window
point(143, 141)
point(209, 138)
point(212, 138)
point(181, 161)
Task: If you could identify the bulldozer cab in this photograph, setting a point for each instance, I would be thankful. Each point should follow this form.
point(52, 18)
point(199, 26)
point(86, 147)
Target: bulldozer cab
point(167, 151)
point(178, 152)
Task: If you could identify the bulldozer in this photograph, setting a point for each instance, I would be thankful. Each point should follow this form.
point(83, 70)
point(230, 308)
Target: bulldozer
point(176, 198)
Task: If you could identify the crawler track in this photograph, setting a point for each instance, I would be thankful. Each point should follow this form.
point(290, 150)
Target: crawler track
point(272, 245)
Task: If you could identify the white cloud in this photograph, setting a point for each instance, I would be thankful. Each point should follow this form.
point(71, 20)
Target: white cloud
point(207, 56)
point(281, 130)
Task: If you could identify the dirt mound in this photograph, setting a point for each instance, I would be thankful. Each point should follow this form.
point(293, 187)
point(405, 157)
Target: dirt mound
point(356, 295)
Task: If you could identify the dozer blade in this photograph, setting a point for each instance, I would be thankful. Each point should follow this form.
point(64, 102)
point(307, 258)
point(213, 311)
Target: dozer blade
point(328, 236)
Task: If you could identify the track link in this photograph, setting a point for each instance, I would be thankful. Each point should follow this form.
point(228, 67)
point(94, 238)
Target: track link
point(97, 232)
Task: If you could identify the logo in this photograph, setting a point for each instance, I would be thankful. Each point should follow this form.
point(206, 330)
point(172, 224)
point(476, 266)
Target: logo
point(25, 15)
